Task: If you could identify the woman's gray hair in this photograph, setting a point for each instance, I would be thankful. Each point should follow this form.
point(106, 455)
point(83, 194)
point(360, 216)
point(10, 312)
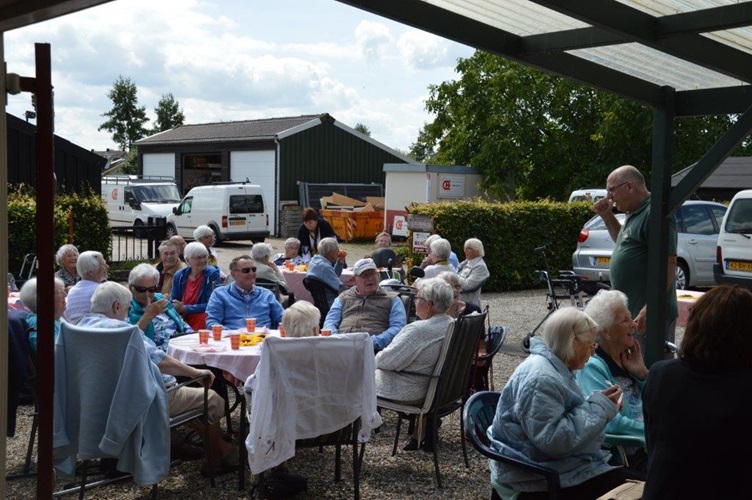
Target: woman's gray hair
point(143, 271)
point(430, 240)
point(87, 263)
point(562, 327)
point(28, 292)
point(327, 245)
point(63, 251)
point(602, 308)
point(202, 232)
point(383, 234)
point(261, 251)
point(301, 319)
point(438, 292)
point(292, 241)
point(475, 244)
point(106, 295)
point(452, 278)
point(195, 249)
point(168, 244)
point(441, 248)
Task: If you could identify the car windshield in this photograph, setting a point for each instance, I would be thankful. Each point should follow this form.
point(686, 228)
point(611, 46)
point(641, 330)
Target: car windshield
point(739, 219)
point(157, 194)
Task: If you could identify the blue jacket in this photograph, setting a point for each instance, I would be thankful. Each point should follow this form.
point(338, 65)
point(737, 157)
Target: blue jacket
point(211, 281)
point(160, 338)
point(543, 418)
point(229, 307)
point(327, 272)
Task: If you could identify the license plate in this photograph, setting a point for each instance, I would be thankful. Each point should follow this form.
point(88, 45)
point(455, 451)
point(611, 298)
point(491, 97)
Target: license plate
point(237, 223)
point(740, 266)
point(602, 261)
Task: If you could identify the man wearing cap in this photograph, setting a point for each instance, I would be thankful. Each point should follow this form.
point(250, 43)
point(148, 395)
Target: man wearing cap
point(367, 307)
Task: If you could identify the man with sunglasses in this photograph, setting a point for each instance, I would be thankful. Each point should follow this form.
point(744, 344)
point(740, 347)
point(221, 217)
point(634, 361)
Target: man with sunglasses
point(628, 193)
point(230, 305)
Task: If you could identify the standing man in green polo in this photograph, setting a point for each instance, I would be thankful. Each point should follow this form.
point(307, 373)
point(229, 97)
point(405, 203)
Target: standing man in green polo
point(629, 262)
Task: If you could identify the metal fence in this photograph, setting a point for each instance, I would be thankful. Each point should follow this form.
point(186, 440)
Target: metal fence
point(137, 242)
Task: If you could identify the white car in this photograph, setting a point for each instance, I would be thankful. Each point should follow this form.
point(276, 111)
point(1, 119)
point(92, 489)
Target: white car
point(697, 225)
point(734, 252)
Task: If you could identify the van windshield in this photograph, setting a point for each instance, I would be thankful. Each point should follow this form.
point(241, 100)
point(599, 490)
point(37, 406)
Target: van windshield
point(246, 204)
point(157, 194)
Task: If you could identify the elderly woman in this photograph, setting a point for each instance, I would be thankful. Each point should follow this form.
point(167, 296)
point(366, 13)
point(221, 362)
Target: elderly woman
point(301, 320)
point(458, 307)
point(383, 240)
point(261, 253)
point(439, 254)
point(416, 350)
point(617, 360)
point(473, 271)
point(696, 410)
point(327, 264)
point(169, 264)
point(192, 286)
point(93, 270)
point(292, 247)
point(28, 296)
point(311, 232)
point(66, 257)
point(205, 235)
point(543, 418)
point(152, 311)
point(453, 260)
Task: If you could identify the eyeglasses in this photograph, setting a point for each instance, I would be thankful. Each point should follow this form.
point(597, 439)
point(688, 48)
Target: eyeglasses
point(612, 189)
point(144, 289)
point(247, 270)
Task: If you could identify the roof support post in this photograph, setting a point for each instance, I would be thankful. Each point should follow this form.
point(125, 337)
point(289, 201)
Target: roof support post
point(660, 211)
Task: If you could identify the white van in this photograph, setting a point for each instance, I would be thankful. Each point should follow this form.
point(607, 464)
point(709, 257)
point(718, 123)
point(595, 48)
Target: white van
point(733, 262)
point(585, 194)
point(235, 211)
point(131, 200)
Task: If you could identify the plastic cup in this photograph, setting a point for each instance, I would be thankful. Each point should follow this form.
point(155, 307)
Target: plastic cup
point(282, 332)
point(289, 265)
point(203, 336)
point(235, 341)
point(217, 334)
point(250, 325)
point(326, 333)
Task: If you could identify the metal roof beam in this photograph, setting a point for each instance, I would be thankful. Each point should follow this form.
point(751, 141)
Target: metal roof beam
point(706, 20)
point(720, 101)
point(643, 28)
point(580, 38)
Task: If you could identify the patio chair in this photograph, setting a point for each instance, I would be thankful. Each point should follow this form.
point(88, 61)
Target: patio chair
point(482, 371)
point(449, 386)
point(312, 392)
point(478, 416)
point(323, 295)
point(110, 402)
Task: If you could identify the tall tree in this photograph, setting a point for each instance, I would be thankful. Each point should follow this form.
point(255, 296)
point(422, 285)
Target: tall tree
point(126, 119)
point(534, 135)
point(168, 113)
point(363, 129)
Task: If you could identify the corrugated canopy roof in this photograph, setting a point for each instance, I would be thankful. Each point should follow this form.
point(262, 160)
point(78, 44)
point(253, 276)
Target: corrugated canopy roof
point(701, 48)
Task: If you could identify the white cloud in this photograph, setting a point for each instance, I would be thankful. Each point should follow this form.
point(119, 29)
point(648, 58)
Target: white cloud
point(372, 39)
point(423, 51)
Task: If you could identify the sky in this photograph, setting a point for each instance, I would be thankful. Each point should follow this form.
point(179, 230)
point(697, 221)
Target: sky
point(227, 60)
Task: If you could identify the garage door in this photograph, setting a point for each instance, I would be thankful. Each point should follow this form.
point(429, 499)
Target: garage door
point(162, 164)
point(258, 167)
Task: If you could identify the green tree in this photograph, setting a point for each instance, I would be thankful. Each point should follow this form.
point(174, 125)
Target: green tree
point(168, 113)
point(130, 164)
point(363, 129)
point(534, 135)
point(126, 119)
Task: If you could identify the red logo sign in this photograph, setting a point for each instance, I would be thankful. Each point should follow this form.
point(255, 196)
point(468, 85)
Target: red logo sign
point(446, 185)
point(114, 194)
point(398, 225)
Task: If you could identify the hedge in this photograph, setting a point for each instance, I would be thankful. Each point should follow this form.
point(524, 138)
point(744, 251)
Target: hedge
point(510, 232)
point(88, 214)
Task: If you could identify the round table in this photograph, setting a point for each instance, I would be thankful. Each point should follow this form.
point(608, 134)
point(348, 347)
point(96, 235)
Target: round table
point(294, 280)
point(240, 363)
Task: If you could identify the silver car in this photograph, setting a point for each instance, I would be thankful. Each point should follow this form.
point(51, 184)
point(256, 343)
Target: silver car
point(697, 223)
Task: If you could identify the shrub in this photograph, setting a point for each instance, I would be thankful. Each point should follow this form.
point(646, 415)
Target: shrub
point(510, 232)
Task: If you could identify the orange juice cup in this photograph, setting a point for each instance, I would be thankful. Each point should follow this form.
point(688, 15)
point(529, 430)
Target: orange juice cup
point(326, 333)
point(235, 340)
point(217, 333)
point(289, 265)
point(203, 336)
point(250, 325)
point(282, 332)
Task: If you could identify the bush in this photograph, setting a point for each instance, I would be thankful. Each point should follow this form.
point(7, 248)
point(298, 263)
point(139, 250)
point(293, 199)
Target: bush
point(91, 228)
point(510, 232)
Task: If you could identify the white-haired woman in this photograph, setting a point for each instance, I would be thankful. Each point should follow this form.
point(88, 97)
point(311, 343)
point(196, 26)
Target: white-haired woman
point(301, 320)
point(403, 368)
point(192, 286)
point(28, 297)
point(439, 255)
point(292, 248)
point(66, 257)
point(617, 360)
point(92, 268)
point(261, 253)
point(458, 307)
point(543, 418)
point(473, 271)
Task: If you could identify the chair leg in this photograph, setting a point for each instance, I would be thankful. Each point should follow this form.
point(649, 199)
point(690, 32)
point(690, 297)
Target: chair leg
point(84, 470)
point(396, 434)
point(435, 432)
point(241, 446)
point(337, 463)
point(32, 439)
point(463, 439)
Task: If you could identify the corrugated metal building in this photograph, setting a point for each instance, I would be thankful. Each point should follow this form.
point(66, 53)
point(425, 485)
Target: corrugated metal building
point(275, 153)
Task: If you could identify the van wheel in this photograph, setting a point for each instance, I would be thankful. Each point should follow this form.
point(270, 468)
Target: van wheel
point(217, 239)
point(681, 276)
point(138, 229)
point(170, 231)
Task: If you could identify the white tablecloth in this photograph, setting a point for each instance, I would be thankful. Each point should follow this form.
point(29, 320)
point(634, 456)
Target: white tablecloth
point(294, 280)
